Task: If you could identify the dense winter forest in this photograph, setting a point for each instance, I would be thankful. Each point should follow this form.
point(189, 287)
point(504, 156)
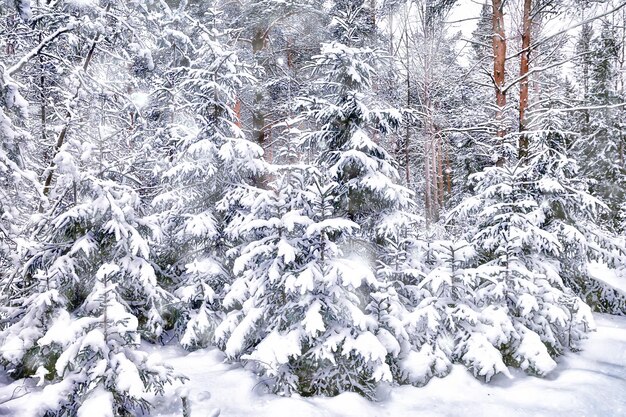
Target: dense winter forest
point(336, 194)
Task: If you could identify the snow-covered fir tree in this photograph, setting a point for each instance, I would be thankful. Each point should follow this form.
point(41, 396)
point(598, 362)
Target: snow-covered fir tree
point(299, 247)
point(602, 140)
point(532, 237)
point(86, 292)
point(296, 305)
point(206, 170)
point(348, 128)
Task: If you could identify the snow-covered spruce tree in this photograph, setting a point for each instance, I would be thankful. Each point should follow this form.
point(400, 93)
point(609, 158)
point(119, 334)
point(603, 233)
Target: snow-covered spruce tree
point(599, 240)
point(208, 162)
point(602, 144)
point(351, 127)
point(101, 371)
point(86, 293)
point(260, 307)
point(351, 352)
point(353, 23)
point(296, 304)
point(444, 315)
point(532, 230)
point(89, 224)
point(303, 309)
point(348, 127)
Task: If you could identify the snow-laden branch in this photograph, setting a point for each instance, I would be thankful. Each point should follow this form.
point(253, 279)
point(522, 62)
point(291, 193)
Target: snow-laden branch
point(544, 68)
point(37, 50)
point(600, 107)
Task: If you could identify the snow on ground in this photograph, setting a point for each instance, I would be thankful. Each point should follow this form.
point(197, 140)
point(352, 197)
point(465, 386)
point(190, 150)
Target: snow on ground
point(585, 384)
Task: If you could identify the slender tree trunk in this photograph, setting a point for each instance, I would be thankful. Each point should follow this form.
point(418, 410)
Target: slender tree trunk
point(427, 199)
point(42, 92)
point(499, 60)
point(42, 95)
point(523, 95)
point(259, 129)
point(237, 109)
point(258, 114)
point(391, 27)
point(622, 89)
point(440, 179)
point(448, 172)
point(105, 318)
point(434, 180)
point(585, 48)
point(407, 138)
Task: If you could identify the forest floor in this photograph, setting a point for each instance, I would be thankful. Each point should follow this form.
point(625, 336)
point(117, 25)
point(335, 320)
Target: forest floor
point(585, 384)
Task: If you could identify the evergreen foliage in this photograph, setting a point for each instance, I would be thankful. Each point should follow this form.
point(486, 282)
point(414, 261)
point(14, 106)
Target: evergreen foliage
point(325, 191)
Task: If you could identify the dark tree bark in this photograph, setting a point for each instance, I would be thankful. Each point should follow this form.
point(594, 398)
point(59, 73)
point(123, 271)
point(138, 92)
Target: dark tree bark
point(258, 114)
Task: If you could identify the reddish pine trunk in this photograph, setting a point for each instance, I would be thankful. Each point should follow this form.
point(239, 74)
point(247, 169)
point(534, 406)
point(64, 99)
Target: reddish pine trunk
point(499, 59)
point(524, 66)
point(237, 109)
